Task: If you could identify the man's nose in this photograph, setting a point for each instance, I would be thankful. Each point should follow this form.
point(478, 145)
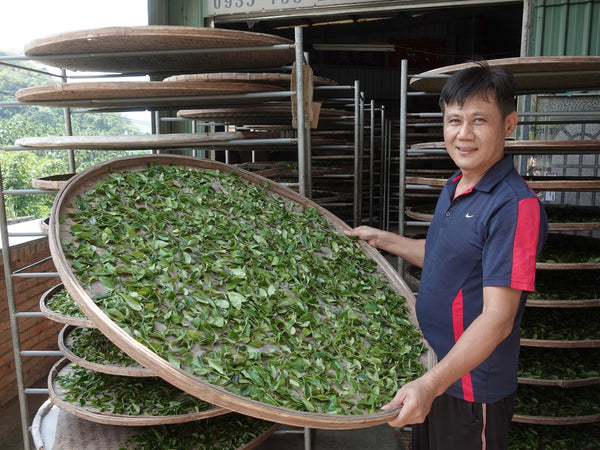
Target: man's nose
point(465, 131)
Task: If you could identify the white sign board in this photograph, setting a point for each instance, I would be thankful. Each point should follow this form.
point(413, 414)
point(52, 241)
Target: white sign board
point(225, 7)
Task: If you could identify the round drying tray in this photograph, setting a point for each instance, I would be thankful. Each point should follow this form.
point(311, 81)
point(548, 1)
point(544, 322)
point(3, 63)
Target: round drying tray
point(45, 225)
point(160, 44)
point(546, 420)
point(51, 182)
point(129, 142)
point(55, 429)
point(266, 114)
point(421, 212)
point(580, 303)
point(417, 212)
point(532, 74)
point(278, 79)
point(197, 385)
point(533, 147)
point(560, 383)
point(58, 397)
point(569, 252)
point(141, 94)
point(557, 343)
point(60, 317)
point(536, 183)
point(65, 345)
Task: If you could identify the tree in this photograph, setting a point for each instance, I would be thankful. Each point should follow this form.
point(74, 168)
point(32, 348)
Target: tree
point(19, 168)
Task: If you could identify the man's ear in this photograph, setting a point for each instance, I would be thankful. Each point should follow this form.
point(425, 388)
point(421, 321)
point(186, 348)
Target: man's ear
point(510, 122)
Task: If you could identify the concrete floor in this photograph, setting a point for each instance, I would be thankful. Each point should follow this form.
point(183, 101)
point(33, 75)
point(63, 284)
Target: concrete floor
point(381, 437)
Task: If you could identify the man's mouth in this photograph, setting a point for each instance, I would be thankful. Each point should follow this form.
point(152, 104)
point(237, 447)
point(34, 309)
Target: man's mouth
point(465, 150)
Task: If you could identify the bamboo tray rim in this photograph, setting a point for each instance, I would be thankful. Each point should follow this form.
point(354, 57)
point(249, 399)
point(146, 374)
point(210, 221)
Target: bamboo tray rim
point(61, 318)
point(127, 142)
point(574, 144)
point(43, 421)
point(533, 303)
point(64, 338)
point(536, 183)
point(165, 49)
point(118, 419)
point(215, 394)
point(567, 266)
point(413, 213)
point(51, 182)
point(556, 343)
point(562, 383)
point(581, 303)
point(547, 420)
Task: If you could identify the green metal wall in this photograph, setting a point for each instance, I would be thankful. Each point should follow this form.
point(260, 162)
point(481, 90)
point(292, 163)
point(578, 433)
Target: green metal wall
point(565, 27)
point(176, 12)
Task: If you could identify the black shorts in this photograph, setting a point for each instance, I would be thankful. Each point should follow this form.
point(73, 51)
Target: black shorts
point(455, 424)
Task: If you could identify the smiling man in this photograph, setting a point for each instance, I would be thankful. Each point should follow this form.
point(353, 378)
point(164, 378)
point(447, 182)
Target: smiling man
point(478, 263)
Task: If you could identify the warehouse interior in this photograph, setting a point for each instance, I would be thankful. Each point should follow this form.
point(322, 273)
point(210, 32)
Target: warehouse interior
point(370, 154)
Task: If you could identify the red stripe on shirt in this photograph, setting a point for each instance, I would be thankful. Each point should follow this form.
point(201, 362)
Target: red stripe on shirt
point(458, 328)
point(525, 245)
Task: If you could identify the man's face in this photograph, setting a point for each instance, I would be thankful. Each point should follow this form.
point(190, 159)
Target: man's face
point(474, 134)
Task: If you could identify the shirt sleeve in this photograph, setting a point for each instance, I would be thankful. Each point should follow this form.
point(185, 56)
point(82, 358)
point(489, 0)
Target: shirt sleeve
point(511, 245)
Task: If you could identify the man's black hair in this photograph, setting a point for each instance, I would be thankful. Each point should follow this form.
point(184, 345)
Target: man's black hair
point(479, 81)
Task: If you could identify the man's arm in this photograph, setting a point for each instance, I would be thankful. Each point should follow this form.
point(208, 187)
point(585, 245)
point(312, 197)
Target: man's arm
point(493, 325)
point(411, 250)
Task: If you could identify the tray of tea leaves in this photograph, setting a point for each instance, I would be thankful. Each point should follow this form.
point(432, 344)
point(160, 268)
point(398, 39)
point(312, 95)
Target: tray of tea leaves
point(89, 348)
point(117, 400)
point(237, 290)
point(58, 305)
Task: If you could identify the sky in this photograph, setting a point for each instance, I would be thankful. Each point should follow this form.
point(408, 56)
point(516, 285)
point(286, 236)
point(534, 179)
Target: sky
point(22, 21)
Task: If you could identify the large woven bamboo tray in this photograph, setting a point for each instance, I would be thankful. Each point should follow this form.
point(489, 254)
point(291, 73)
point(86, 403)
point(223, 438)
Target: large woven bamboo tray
point(159, 42)
point(57, 396)
point(421, 212)
point(51, 182)
point(556, 343)
point(536, 183)
point(65, 343)
point(58, 317)
point(216, 395)
point(412, 277)
point(533, 147)
point(283, 80)
point(546, 420)
point(130, 142)
point(148, 94)
point(55, 429)
point(532, 74)
point(560, 383)
point(253, 116)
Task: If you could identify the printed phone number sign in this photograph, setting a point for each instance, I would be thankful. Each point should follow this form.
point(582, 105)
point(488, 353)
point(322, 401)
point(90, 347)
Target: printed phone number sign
point(223, 7)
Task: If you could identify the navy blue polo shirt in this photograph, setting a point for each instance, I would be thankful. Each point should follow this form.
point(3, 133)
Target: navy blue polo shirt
point(488, 236)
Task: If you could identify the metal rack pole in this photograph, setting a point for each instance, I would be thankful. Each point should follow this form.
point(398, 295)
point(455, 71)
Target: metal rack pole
point(303, 162)
point(357, 156)
point(14, 323)
point(371, 161)
point(402, 153)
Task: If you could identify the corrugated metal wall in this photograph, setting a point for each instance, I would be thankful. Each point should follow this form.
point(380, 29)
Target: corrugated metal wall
point(565, 27)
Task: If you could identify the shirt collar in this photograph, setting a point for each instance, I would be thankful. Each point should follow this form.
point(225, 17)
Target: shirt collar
point(492, 177)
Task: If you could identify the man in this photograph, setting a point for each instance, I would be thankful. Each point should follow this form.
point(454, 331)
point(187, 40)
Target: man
point(478, 263)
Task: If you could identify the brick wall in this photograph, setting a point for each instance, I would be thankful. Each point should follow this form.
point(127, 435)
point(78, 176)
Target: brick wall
point(36, 333)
